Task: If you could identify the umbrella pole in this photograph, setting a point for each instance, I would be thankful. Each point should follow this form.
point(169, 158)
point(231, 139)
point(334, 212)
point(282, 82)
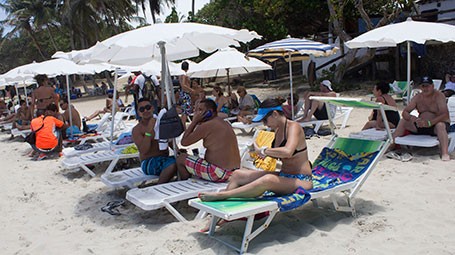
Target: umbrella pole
point(165, 79)
point(25, 91)
point(114, 105)
point(17, 93)
point(292, 91)
point(229, 85)
point(408, 75)
point(69, 103)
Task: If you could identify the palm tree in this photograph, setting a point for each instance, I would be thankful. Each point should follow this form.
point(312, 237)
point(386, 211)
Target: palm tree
point(21, 17)
point(155, 6)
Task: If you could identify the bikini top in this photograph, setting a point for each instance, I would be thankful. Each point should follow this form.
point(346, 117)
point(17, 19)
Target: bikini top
point(285, 140)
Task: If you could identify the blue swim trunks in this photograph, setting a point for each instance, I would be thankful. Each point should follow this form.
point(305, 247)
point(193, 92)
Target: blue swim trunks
point(155, 165)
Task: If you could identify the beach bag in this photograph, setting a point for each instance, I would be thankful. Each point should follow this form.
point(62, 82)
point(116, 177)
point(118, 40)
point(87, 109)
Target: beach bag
point(171, 125)
point(31, 138)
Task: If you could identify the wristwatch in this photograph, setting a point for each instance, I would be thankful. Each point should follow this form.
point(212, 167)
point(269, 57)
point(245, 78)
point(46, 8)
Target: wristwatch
point(263, 148)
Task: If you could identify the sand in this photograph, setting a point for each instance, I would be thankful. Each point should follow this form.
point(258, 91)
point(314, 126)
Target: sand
point(403, 208)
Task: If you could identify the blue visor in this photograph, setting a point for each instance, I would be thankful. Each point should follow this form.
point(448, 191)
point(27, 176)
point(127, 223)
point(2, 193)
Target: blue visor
point(264, 111)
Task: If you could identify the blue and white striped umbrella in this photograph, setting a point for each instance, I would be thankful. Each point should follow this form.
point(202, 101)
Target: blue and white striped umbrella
point(293, 49)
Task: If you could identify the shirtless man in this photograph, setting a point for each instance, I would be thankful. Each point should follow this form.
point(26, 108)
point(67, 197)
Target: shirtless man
point(314, 107)
point(433, 116)
point(75, 116)
point(153, 160)
point(222, 156)
point(43, 96)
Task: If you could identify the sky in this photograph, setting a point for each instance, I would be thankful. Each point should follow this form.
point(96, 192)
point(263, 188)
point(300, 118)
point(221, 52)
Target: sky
point(183, 7)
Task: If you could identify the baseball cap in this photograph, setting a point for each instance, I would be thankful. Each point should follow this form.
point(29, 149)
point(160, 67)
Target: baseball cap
point(426, 80)
point(262, 112)
point(328, 84)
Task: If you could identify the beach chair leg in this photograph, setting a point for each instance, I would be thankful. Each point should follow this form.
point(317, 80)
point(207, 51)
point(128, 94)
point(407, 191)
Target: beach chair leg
point(248, 236)
point(348, 208)
point(200, 215)
point(317, 126)
point(88, 170)
point(111, 166)
point(451, 142)
point(174, 212)
point(347, 113)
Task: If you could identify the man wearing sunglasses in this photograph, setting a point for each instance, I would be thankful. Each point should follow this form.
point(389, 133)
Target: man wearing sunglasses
point(153, 160)
point(222, 155)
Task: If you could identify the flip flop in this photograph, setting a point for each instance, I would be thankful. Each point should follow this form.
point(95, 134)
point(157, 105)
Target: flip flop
point(405, 157)
point(393, 155)
point(111, 207)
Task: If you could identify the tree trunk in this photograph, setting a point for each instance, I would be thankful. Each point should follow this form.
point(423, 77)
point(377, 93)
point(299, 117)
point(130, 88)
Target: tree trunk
point(193, 9)
point(35, 41)
point(52, 38)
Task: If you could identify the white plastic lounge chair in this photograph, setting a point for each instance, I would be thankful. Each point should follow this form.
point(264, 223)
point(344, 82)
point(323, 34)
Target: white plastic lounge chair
point(370, 134)
point(162, 195)
point(104, 128)
point(234, 209)
point(336, 112)
point(247, 129)
point(101, 146)
point(126, 178)
point(431, 141)
point(23, 133)
point(82, 161)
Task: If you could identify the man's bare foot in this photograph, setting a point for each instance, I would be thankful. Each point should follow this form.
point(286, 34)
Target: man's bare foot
point(445, 157)
point(209, 196)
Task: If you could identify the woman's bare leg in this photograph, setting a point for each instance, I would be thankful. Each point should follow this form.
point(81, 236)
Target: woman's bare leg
point(256, 188)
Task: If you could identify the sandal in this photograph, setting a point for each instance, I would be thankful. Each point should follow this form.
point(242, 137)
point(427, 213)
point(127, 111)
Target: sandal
point(111, 207)
point(405, 157)
point(393, 155)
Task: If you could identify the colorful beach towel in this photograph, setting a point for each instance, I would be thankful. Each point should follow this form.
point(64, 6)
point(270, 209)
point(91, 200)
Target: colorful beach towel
point(288, 202)
point(334, 167)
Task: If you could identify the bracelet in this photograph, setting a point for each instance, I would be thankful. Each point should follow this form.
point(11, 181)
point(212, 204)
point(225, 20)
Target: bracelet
point(148, 134)
point(429, 123)
point(263, 150)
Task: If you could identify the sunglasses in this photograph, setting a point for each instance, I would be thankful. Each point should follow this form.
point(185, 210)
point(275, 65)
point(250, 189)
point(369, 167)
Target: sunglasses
point(264, 120)
point(144, 108)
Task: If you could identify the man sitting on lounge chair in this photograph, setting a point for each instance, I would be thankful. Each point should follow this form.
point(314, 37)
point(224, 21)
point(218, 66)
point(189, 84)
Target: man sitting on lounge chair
point(222, 156)
point(314, 107)
point(153, 160)
point(433, 116)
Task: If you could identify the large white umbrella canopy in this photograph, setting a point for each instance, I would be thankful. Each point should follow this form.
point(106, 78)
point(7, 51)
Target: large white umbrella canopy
point(292, 49)
point(407, 31)
point(225, 62)
point(183, 40)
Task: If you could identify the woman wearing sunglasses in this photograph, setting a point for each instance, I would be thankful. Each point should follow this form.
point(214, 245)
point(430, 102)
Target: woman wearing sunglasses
point(289, 146)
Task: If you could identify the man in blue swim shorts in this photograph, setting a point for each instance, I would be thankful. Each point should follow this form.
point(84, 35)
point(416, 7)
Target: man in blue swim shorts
point(153, 160)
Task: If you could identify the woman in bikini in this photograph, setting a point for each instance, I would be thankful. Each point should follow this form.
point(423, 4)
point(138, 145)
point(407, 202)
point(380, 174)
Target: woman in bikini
point(43, 96)
point(222, 102)
point(289, 146)
point(381, 91)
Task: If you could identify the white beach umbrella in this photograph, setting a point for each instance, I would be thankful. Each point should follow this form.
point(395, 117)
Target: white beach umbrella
point(292, 49)
point(165, 42)
point(407, 31)
point(225, 62)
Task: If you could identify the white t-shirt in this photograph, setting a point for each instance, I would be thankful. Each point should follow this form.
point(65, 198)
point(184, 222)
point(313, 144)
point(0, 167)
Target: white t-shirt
point(140, 81)
point(155, 81)
point(450, 85)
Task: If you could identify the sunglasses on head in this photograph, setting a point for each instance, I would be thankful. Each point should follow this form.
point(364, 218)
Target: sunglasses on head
point(147, 107)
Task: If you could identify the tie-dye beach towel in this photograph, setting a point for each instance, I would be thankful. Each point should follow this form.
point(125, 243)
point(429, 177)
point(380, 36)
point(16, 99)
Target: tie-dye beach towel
point(334, 167)
point(288, 202)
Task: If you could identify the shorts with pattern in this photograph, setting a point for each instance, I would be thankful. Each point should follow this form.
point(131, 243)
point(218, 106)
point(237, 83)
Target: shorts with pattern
point(185, 102)
point(201, 168)
point(155, 165)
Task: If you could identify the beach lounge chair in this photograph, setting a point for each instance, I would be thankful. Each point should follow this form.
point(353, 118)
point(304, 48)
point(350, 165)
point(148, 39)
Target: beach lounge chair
point(366, 151)
point(23, 133)
point(122, 141)
point(82, 161)
point(431, 141)
point(163, 195)
point(333, 111)
point(128, 178)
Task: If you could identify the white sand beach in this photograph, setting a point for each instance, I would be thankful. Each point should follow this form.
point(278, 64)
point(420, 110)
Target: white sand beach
point(403, 208)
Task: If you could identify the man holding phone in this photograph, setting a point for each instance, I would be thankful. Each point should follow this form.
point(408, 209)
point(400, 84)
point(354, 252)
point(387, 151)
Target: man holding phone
point(222, 156)
point(153, 160)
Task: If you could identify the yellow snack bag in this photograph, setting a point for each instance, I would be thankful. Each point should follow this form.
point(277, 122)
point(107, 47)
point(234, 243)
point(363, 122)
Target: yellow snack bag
point(264, 138)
